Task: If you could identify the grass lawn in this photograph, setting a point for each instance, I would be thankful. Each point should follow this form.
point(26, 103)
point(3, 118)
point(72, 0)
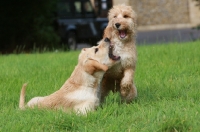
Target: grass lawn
point(167, 78)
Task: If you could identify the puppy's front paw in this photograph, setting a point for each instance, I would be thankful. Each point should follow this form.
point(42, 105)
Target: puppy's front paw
point(128, 93)
point(125, 89)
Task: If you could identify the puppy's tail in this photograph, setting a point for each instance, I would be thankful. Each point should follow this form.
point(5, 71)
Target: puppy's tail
point(22, 97)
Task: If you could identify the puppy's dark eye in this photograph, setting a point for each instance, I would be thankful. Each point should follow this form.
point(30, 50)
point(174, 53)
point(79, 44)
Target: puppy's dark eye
point(125, 16)
point(115, 16)
point(107, 40)
point(96, 50)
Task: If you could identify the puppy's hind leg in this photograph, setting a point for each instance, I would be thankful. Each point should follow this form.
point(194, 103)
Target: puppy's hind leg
point(107, 85)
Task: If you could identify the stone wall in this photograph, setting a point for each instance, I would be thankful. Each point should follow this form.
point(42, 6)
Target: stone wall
point(194, 13)
point(116, 2)
point(161, 12)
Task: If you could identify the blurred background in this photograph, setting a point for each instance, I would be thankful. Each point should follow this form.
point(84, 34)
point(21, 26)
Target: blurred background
point(26, 26)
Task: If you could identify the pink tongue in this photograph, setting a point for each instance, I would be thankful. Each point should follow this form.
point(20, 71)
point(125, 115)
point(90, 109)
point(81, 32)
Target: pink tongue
point(122, 33)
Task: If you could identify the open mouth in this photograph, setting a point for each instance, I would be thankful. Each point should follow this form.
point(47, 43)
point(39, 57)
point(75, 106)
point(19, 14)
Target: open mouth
point(122, 33)
point(111, 56)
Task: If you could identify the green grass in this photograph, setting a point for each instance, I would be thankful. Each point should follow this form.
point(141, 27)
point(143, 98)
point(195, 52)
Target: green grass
point(167, 78)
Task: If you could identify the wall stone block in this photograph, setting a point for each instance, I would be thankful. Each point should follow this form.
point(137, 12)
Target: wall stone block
point(159, 12)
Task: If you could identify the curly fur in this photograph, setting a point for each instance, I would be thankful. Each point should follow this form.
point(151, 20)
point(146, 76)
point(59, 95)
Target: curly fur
point(121, 30)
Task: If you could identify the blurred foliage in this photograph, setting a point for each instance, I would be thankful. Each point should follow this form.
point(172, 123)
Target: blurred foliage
point(27, 24)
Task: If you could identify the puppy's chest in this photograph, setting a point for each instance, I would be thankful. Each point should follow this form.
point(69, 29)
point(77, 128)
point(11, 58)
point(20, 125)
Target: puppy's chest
point(116, 71)
point(122, 51)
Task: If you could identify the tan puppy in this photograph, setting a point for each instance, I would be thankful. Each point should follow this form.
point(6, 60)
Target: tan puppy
point(121, 30)
point(80, 91)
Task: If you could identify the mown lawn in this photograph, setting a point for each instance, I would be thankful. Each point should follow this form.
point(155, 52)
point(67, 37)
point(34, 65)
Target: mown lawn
point(167, 78)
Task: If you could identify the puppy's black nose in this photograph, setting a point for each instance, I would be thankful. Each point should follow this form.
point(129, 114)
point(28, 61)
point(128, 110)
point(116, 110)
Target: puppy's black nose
point(117, 25)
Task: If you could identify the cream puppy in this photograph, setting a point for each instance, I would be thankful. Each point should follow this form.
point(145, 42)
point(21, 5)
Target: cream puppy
point(80, 91)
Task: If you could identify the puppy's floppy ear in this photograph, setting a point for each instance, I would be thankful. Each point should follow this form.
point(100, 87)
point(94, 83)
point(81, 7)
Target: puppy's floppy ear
point(92, 65)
